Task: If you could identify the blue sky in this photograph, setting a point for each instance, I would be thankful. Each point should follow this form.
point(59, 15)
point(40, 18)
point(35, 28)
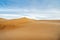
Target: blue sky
point(36, 9)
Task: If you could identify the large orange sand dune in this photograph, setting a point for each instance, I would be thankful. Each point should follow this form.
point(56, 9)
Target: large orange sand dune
point(30, 29)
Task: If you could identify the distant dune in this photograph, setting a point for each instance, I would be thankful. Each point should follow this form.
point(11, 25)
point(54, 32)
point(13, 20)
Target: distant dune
point(29, 29)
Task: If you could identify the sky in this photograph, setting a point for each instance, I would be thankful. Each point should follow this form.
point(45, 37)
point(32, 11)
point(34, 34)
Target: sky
point(35, 9)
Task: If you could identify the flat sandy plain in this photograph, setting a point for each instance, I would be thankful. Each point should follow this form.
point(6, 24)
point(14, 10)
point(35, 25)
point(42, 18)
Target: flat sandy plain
point(29, 29)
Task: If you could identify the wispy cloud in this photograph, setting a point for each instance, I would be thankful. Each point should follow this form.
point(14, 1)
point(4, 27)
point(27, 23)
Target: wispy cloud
point(32, 13)
point(9, 16)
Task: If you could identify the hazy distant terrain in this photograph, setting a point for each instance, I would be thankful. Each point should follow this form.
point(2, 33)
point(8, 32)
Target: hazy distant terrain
point(29, 29)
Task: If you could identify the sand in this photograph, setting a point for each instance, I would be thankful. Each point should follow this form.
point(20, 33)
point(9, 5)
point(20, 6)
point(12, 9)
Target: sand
point(29, 29)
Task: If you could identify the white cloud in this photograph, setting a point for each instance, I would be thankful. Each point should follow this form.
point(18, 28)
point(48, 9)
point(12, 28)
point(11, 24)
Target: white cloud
point(32, 13)
point(9, 16)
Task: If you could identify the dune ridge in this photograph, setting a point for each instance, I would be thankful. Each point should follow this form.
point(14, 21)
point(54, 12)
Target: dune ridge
point(4, 23)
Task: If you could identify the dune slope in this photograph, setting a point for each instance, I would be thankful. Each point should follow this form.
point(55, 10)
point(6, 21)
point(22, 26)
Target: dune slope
point(29, 29)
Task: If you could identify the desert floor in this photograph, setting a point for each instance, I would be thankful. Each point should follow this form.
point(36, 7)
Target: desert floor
point(42, 30)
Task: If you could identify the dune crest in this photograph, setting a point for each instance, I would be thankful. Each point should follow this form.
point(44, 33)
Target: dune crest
point(15, 23)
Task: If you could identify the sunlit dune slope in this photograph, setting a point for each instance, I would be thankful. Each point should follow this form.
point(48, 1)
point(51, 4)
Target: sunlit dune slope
point(2, 20)
point(56, 21)
point(16, 23)
point(30, 29)
point(26, 22)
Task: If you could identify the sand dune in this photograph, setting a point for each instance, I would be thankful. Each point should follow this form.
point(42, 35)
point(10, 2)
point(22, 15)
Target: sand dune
point(29, 29)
